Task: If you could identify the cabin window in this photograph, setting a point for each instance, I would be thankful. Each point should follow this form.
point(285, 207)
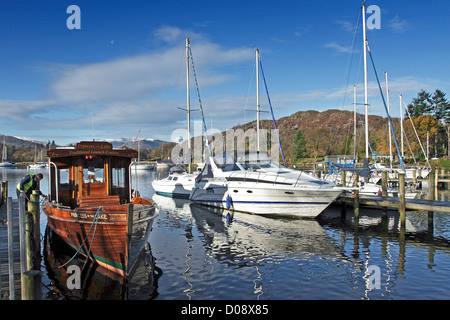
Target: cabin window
point(63, 179)
point(93, 175)
point(118, 177)
point(93, 170)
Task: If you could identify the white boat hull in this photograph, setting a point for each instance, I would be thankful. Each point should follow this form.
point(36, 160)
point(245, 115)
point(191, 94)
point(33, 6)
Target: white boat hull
point(142, 167)
point(264, 199)
point(178, 186)
point(8, 165)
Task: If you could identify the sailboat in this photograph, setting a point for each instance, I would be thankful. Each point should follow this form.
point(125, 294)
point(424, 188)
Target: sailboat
point(254, 183)
point(372, 185)
point(138, 165)
point(37, 164)
point(179, 184)
point(5, 163)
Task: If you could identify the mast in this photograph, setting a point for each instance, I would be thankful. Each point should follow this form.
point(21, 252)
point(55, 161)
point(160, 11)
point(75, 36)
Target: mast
point(365, 80)
point(389, 114)
point(257, 99)
point(188, 105)
point(401, 126)
point(354, 122)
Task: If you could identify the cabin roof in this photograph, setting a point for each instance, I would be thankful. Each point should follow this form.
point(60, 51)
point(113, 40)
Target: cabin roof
point(92, 148)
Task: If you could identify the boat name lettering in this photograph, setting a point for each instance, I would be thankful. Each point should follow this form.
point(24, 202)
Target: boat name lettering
point(314, 194)
point(82, 215)
point(92, 152)
point(98, 146)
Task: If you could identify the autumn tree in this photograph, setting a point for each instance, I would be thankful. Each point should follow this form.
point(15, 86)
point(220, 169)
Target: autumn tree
point(437, 106)
point(425, 125)
point(318, 142)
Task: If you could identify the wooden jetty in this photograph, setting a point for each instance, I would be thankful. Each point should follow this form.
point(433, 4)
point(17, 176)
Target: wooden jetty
point(400, 203)
point(20, 275)
point(5, 275)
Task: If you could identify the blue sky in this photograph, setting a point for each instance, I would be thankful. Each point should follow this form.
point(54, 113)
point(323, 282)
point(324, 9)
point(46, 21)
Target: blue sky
point(124, 70)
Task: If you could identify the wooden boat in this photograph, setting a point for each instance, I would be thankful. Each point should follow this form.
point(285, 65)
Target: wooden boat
point(90, 204)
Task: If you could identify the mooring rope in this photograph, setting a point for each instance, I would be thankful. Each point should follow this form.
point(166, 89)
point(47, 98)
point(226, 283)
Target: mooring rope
point(94, 222)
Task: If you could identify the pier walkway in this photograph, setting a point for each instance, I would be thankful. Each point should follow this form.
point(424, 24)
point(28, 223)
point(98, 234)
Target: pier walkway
point(5, 275)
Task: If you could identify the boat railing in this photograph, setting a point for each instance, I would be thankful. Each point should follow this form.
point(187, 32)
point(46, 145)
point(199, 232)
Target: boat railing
point(298, 178)
point(50, 179)
point(131, 181)
point(247, 175)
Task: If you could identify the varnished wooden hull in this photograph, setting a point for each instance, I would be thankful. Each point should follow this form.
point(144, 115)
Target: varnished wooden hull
point(110, 238)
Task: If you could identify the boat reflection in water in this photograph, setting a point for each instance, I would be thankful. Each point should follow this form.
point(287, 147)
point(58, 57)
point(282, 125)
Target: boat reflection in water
point(97, 282)
point(242, 234)
point(220, 254)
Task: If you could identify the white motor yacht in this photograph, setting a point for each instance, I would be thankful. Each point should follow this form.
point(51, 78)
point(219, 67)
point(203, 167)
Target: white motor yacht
point(256, 184)
point(178, 184)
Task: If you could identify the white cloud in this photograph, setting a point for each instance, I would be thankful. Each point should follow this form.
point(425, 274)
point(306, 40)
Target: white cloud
point(346, 25)
point(138, 76)
point(399, 25)
point(339, 48)
point(125, 94)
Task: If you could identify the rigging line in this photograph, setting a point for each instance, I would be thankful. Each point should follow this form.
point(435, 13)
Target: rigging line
point(350, 60)
point(385, 107)
point(271, 110)
point(248, 94)
point(417, 136)
point(347, 68)
point(199, 100)
point(409, 147)
point(250, 84)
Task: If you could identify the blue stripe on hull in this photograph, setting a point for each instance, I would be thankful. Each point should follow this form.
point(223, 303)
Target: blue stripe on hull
point(173, 195)
point(261, 202)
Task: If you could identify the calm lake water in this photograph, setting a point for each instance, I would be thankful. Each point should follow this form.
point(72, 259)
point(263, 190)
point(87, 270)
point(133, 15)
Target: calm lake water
point(202, 254)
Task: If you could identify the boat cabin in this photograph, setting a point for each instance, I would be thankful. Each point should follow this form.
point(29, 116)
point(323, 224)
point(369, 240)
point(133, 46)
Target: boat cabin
point(90, 174)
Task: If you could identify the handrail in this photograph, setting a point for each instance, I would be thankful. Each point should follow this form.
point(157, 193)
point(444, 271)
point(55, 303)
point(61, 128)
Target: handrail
point(50, 179)
point(131, 182)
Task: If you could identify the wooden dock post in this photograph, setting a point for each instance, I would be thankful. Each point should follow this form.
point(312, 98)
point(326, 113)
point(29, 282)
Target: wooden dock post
point(9, 212)
point(33, 208)
point(431, 196)
point(431, 184)
point(402, 203)
point(22, 233)
point(384, 189)
point(384, 183)
point(4, 190)
point(31, 285)
point(29, 242)
point(356, 200)
point(343, 174)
